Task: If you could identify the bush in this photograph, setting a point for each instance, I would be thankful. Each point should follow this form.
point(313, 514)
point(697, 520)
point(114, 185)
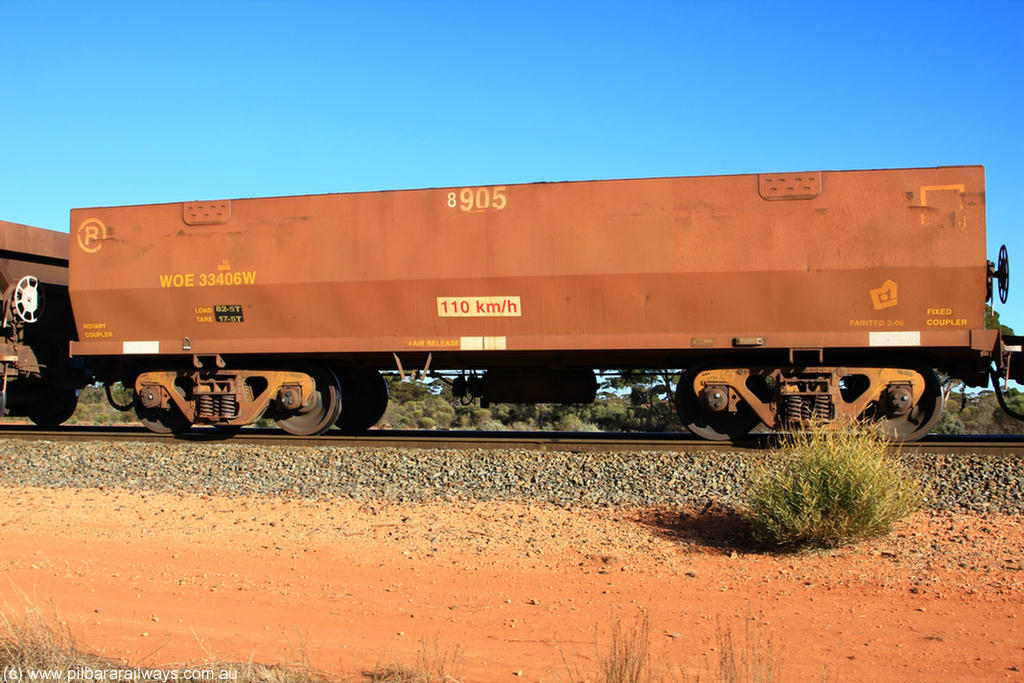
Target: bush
point(831, 486)
point(574, 423)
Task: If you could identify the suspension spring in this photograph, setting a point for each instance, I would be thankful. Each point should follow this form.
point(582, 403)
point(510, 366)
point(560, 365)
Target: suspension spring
point(216, 407)
point(822, 407)
point(794, 409)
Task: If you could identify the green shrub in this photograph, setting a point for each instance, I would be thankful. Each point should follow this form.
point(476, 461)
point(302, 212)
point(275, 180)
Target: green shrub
point(574, 423)
point(828, 487)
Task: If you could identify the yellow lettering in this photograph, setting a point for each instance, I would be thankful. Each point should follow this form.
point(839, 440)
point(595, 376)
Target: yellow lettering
point(946, 322)
point(224, 279)
point(478, 199)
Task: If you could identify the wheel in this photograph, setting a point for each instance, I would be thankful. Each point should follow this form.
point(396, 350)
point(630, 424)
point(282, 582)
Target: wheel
point(54, 409)
point(364, 400)
point(1003, 274)
point(168, 420)
point(27, 300)
point(923, 415)
point(713, 426)
point(323, 408)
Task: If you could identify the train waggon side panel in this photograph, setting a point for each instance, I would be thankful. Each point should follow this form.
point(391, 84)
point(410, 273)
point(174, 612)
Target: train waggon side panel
point(845, 259)
point(26, 250)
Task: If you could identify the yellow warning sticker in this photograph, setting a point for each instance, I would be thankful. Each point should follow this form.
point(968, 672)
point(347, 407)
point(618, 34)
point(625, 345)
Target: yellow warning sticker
point(479, 307)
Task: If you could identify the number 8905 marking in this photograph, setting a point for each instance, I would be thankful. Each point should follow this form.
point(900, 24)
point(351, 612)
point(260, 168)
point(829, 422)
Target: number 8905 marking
point(478, 198)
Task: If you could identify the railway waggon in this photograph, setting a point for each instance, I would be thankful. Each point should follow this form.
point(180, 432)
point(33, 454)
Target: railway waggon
point(784, 297)
point(40, 380)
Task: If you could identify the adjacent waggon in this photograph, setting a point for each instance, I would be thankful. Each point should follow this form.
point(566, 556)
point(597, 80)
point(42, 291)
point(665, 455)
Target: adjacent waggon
point(784, 297)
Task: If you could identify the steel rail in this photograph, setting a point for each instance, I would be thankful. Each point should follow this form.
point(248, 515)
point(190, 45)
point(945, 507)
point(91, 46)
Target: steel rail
point(1011, 444)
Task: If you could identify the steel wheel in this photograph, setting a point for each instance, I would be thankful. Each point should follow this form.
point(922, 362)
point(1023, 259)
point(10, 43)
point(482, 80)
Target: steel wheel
point(323, 408)
point(55, 408)
point(364, 400)
point(923, 415)
point(168, 420)
point(709, 425)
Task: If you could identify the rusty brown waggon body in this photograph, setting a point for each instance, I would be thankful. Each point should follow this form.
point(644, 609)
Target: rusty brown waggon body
point(785, 297)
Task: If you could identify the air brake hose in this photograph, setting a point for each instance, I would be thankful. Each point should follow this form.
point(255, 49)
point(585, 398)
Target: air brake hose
point(130, 405)
point(1001, 400)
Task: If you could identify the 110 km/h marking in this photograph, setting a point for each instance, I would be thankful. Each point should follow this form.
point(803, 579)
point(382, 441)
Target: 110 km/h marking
point(479, 307)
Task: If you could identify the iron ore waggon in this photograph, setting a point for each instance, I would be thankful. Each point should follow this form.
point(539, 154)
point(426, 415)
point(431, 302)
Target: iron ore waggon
point(784, 297)
point(39, 380)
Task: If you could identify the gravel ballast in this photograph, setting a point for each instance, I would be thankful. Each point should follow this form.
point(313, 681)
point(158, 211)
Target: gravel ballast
point(956, 482)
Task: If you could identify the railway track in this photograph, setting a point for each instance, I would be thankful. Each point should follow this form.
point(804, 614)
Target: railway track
point(642, 470)
point(988, 444)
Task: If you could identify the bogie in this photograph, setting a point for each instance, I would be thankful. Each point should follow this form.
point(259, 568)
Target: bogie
point(721, 403)
point(304, 401)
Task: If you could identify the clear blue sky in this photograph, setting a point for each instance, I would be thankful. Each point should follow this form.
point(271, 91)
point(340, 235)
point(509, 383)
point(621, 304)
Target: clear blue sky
point(105, 103)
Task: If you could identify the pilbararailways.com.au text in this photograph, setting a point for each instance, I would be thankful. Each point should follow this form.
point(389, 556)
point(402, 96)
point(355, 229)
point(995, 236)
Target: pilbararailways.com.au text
point(132, 675)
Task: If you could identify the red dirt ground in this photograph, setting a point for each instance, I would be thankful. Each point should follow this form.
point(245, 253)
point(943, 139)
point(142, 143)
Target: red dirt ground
point(514, 591)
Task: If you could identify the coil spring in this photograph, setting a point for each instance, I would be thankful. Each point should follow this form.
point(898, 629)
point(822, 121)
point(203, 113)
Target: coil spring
point(216, 407)
point(822, 407)
point(800, 409)
point(794, 408)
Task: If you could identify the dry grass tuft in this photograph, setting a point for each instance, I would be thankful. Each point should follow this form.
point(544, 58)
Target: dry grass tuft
point(432, 665)
point(629, 660)
point(32, 642)
point(828, 487)
point(35, 642)
point(754, 662)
